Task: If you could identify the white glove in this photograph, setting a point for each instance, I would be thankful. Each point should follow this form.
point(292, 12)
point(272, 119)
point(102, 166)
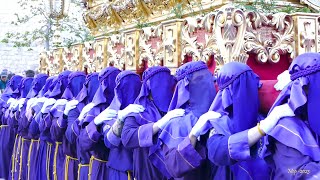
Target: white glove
point(276, 114)
point(47, 103)
point(38, 100)
point(203, 124)
point(131, 108)
point(59, 102)
point(85, 110)
point(30, 102)
point(161, 123)
point(283, 80)
point(13, 105)
point(69, 106)
point(21, 103)
point(105, 115)
point(11, 100)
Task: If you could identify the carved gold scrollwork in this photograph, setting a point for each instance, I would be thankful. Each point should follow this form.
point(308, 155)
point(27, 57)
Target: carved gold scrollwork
point(269, 36)
point(283, 41)
point(169, 44)
point(191, 46)
point(230, 26)
point(154, 56)
point(210, 47)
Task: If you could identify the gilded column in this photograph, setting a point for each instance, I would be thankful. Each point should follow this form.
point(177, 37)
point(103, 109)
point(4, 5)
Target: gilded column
point(172, 43)
point(131, 49)
point(100, 47)
point(306, 32)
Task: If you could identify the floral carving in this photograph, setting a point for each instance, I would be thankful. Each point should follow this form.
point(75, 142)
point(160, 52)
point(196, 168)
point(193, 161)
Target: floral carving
point(277, 40)
point(154, 56)
point(114, 57)
point(230, 26)
point(191, 46)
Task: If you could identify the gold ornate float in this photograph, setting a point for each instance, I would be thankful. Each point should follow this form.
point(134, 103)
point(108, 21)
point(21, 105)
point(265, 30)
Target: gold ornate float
point(134, 35)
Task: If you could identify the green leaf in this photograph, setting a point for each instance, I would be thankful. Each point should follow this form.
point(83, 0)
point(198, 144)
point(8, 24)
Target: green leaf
point(5, 40)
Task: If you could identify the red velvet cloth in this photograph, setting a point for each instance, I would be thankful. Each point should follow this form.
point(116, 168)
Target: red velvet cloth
point(268, 73)
point(211, 64)
point(267, 95)
point(268, 70)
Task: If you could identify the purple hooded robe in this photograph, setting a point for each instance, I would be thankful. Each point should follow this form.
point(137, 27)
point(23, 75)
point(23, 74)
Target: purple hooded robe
point(137, 133)
point(62, 160)
point(194, 92)
point(292, 147)
point(7, 135)
point(127, 89)
point(73, 130)
point(90, 137)
point(238, 103)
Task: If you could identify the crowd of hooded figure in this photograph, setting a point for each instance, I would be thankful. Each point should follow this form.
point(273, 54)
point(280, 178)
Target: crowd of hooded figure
point(113, 125)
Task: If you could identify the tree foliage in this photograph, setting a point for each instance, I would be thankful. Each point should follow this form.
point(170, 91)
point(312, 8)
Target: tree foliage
point(39, 26)
point(270, 6)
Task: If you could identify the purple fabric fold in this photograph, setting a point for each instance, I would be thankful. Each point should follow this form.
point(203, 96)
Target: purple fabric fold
point(105, 92)
point(127, 89)
point(75, 83)
point(237, 84)
point(51, 87)
point(46, 87)
point(24, 87)
point(60, 85)
point(37, 84)
point(88, 90)
point(161, 93)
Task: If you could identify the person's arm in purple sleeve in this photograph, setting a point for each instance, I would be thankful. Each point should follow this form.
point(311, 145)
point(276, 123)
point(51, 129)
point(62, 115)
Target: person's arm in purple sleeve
point(34, 128)
point(89, 136)
point(70, 134)
point(134, 136)
point(113, 135)
point(90, 115)
point(114, 141)
point(46, 120)
point(185, 156)
point(292, 164)
point(57, 130)
point(227, 150)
